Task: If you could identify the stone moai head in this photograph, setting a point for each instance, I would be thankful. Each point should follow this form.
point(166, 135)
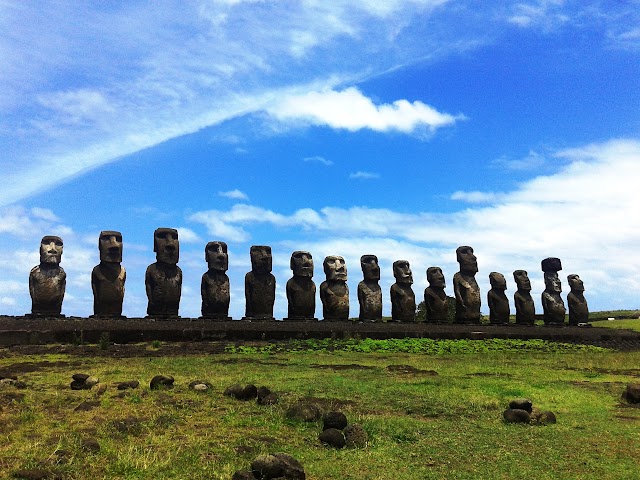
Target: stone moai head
point(575, 283)
point(335, 268)
point(166, 245)
point(522, 280)
point(215, 253)
point(467, 260)
point(370, 267)
point(497, 280)
point(110, 246)
point(302, 264)
point(435, 277)
point(402, 272)
point(51, 249)
point(261, 261)
point(551, 266)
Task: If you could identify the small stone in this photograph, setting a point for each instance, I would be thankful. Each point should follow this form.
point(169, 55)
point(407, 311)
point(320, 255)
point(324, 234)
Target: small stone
point(304, 412)
point(632, 393)
point(100, 389)
point(90, 382)
point(200, 385)
point(543, 418)
point(292, 469)
point(249, 392)
point(131, 384)
point(337, 420)
point(516, 415)
point(521, 404)
point(80, 377)
point(263, 392)
point(355, 436)
point(161, 381)
point(270, 399)
point(234, 391)
point(332, 437)
point(243, 475)
point(266, 467)
point(90, 445)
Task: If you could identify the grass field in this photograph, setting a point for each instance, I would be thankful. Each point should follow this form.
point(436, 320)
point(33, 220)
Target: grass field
point(438, 415)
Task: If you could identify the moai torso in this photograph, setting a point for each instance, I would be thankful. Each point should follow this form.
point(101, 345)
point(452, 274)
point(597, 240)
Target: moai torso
point(435, 299)
point(334, 292)
point(214, 288)
point(497, 299)
point(552, 303)
point(47, 281)
point(578, 308)
point(369, 291)
point(525, 307)
point(163, 279)
point(301, 290)
point(403, 300)
point(260, 285)
point(466, 288)
point(108, 278)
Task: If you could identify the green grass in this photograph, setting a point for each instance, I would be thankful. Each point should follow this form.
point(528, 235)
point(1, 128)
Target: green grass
point(625, 324)
point(420, 425)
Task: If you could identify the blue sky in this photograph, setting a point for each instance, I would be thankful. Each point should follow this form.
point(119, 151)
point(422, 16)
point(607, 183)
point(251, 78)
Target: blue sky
point(399, 128)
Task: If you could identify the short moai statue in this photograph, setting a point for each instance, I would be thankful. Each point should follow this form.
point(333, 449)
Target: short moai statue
point(369, 291)
point(525, 308)
point(435, 299)
point(260, 285)
point(47, 281)
point(334, 291)
point(214, 288)
point(403, 300)
point(578, 308)
point(497, 300)
point(466, 288)
point(108, 277)
point(163, 279)
point(301, 289)
point(552, 304)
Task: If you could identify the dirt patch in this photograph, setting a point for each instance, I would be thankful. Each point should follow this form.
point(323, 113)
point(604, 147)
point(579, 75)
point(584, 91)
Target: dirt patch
point(8, 398)
point(634, 372)
point(489, 374)
point(409, 370)
point(234, 361)
point(28, 367)
point(627, 418)
point(352, 366)
point(327, 404)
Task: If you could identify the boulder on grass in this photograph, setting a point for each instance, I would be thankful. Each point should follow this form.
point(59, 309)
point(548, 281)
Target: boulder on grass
point(161, 381)
point(521, 404)
point(355, 436)
point(304, 412)
point(516, 415)
point(336, 420)
point(332, 437)
point(632, 393)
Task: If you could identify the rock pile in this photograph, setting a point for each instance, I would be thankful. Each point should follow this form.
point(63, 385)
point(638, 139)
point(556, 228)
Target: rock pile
point(337, 433)
point(304, 412)
point(521, 410)
point(273, 466)
point(83, 381)
point(262, 395)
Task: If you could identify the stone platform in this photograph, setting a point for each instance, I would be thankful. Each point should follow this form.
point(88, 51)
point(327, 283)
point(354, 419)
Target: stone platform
point(40, 331)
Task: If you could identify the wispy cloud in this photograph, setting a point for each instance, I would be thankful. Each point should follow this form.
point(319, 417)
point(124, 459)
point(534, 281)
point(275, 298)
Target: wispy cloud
point(476, 197)
point(318, 159)
point(364, 175)
point(546, 14)
point(532, 161)
point(234, 194)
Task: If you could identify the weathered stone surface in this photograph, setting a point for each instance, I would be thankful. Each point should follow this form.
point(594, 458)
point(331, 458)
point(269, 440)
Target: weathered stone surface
point(301, 290)
point(249, 392)
point(260, 285)
point(14, 382)
point(161, 381)
point(82, 381)
point(200, 385)
point(304, 412)
point(369, 291)
point(109, 276)
point(632, 393)
point(332, 437)
point(292, 469)
point(497, 299)
point(279, 465)
point(521, 404)
point(243, 475)
point(578, 308)
point(355, 436)
point(466, 288)
point(47, 281)
point(163, 279)
point(543, 417)
point(552, 304)
point(90, 445)
point(334, 292)
point(435, 298)
point(336, 420)
point(131, 384)
point(80, 377)
point(525, 307)
point(234, 391)
point(270, 399)
point(515, 415)
point(403, 300)
point(215, 288)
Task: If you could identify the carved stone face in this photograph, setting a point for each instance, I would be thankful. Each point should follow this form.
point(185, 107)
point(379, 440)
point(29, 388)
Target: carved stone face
point(50, 249)
point(215, 253)
point(110, 246)
point(575, 283)
point(302, 264)
point(435, 277)
point(166, 245)
point(552, 282)
point(261, 259)
point(467, 260)
point(335, 268)
point(370, 267)
point(522, 280)
point(497, 281)
point(402, 272)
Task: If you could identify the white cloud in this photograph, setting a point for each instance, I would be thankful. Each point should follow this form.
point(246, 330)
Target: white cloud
point(532, 161)
point(187, 235)
point(546, 14)
point(476, 197)
point(318, 159)
point(351, 110)
point(234, 194)
point(360, 175)
point(9, 301)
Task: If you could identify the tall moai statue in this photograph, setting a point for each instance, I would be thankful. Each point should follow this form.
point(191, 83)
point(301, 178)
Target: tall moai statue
point(578, 308)
point(497, 300)
point(260, 285)
point(334, 292)
point(108, 277)
point(435, 299)
point(47, 281)
point(403, 300)
point(214, 287)
point(525, 308)
point(301, 289)
point(163, 279)
point(466, 288)
point(369, 291)
point(552, 304)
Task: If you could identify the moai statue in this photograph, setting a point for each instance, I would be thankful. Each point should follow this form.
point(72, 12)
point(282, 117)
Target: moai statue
point(466, 288)
point(301, 290)
point(403, 300)
point(214, 287)
point(108, 277)
point(334, 292)
point(552, 304)
point(260, 285)
point(369, 291)
point(497, 300)
point(47, 281)
point(578, 308)
point(525, 308)
point(435, 300)
point(163, 279)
